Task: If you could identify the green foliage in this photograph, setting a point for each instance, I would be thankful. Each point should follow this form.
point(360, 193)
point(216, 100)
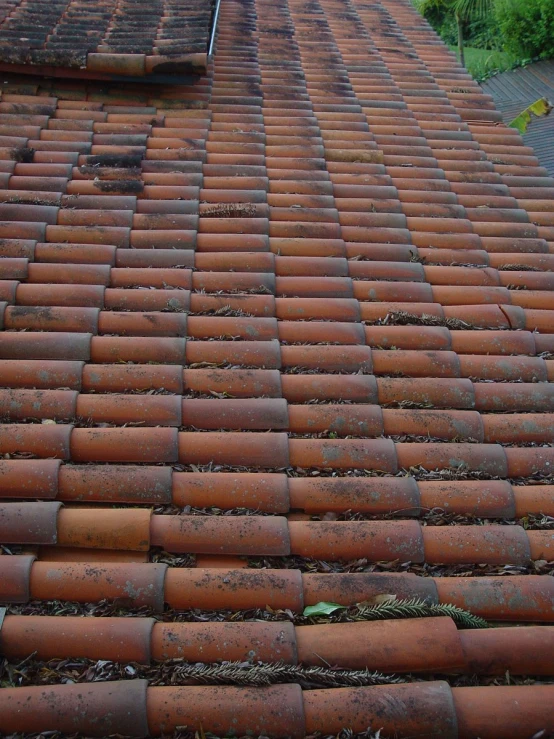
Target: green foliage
point(539, 108)
point(484, 63)
point(480, 28)
point(322, 609)
point(527, 27)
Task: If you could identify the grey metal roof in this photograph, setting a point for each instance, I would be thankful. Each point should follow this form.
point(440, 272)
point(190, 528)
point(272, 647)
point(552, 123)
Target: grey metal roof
point(515, 90)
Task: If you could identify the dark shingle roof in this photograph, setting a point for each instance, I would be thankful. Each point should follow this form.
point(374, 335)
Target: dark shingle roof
point(513, 91)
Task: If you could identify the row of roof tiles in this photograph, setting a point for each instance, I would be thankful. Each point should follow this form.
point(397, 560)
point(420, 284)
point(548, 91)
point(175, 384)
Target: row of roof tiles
point(423, 645)
point(262, 450)
point(132, 708)
point(54, 347)
point(422, 392)
point(48, 479)
point(403, 541)
point(253, 414)
point(135, 585)
point(107, 38)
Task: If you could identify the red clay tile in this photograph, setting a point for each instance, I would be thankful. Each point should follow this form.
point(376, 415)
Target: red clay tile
point(483, 544)
point(104, 529)
point(412, 646)
point(114, 378)
point(41, 374)
point(152, 445)
point(503, 711)
point(245, 535)
point(131, 584)
point(18, 405)
point(264, 492)
point(92, 638)
point(236, 449)
point(491, 498)
point(407, 709)
point(40, 440)
point(237, 589)
point(103, 708)
point(269, 711)
point(91, 483)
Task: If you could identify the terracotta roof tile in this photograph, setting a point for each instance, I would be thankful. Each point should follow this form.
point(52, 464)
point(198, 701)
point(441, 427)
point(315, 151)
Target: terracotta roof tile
point(274, 334)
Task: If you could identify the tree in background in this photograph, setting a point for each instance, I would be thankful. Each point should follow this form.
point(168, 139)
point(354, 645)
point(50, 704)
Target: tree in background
point(527, 27)
point(463, 12)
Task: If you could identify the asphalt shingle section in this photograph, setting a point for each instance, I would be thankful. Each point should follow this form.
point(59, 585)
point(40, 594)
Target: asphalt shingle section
point(514, 91)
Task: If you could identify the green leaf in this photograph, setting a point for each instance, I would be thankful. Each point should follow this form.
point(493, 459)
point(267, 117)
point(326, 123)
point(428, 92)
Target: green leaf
point(322, 609)
point(539, 108)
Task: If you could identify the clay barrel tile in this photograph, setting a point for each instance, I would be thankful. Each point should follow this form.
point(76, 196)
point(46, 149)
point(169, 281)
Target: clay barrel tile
point(348, 540)
point(29, 478)
point(127, 584)
point(137, 349)
point(376, 495)
point(484, 498)
point(40, 374)
point(145, 445)
point(404, 337)
point(96, 709)
point(124, 299)
point(149, 410)
point(417, 709)
point(236, 589)
point(483, 544)
point(517, 598)
point(495, 651)
point(268, 492)
point(273, 711)
point(529, 461)
point(343, 420)
point(351, 588)
point(220, 642)
point(80, 296)
point(115, 484)
point(36, 345)
point(40, 440)
point(101, 528)
point(487, 458)
point(373, 454)
point(29, 523)
point(356, 388)
point(514, 396)
point(42, 318)
point(236, 382)
point(257, 354)
point(246, 535)
point(533, 499)
point(502, 712)
point(244, 413)
point(21, 404)
point(441, 424)
point(117, 639)
point(416, 645)
point(436, 392)
point(248, 329)
point(328, 358)
point(235, 449)
point(114, 378)
point(15, 574)
point(541, 544)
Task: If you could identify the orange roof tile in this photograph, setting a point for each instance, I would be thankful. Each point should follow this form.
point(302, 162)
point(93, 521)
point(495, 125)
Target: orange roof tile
point(279, 334)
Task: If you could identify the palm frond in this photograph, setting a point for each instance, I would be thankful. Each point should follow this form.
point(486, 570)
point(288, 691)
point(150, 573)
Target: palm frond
point(472, 9)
